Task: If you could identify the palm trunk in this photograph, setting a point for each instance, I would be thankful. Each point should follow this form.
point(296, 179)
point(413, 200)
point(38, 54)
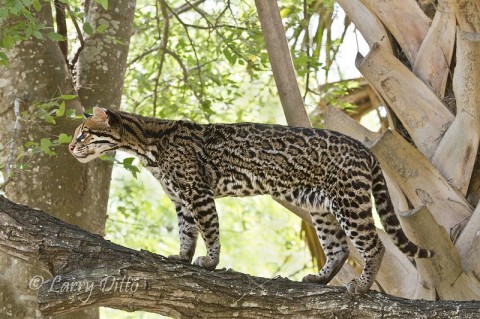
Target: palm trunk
point(437, 175)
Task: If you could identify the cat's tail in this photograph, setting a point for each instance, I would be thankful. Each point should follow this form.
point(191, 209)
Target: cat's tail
point(388, 218)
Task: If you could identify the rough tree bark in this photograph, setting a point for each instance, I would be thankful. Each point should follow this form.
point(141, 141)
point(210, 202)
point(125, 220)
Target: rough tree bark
point(89, 271)
point(71, 191)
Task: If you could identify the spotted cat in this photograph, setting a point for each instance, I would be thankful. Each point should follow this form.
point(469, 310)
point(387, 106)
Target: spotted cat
point(327, 173)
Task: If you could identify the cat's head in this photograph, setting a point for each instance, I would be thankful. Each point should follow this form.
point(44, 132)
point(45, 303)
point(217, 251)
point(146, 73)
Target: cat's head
point(99, 133)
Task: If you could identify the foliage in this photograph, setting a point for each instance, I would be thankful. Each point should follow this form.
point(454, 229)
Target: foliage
point(206, 60)
point(332, 94)
point(206, 56)
point(21, 30)
point(196, 64)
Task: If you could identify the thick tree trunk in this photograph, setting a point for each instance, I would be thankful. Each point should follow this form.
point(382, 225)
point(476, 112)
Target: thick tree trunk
point(89, 271)
point(37, 72)
point(103, 60)
point(71, 191)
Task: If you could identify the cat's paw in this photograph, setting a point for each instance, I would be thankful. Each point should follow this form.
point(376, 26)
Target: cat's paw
point(206, 262)
point(183, 258)
point(356, 287)
point(315, 278)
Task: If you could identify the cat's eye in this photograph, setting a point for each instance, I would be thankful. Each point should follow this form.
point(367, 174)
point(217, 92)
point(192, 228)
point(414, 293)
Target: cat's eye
point(82, 137)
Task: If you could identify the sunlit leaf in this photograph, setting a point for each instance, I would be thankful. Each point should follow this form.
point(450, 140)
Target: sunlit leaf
point(87, 28)
point(45, 145)
point(103, 3)
point(128, 165)
point(61, 109)
point(101, 28)
point(37, 34)
point(64, 138)
point(67, 97)
point(49, 118)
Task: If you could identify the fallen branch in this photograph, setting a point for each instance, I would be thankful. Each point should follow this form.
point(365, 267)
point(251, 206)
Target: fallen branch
point(89, 271)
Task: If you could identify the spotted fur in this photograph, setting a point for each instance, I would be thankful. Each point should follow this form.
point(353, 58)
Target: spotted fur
point(327, 173)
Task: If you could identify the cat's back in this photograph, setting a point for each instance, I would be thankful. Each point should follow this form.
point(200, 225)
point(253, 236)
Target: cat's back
point(278, 138)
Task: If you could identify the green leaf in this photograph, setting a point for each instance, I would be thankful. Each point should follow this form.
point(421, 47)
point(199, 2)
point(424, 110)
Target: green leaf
point(3, 59)
point(54, 36)
point(31, 144)
point(3, 13)
point(45, 145)
point(128, 161)
point(23, 166)
point(36, 5)
point(101, 28)
point(7, 42)
point(103, 3)
point(232, 58)
point(37, 34)
point(61, 109)
point(87, 28)
point(64, 138)
point(71, 113)
point(67, 97)
point(49, 119)
point(127, 164)
point(285, 12)
point(106, 157)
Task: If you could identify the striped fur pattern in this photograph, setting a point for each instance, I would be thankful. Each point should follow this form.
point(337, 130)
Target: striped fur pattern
point(329, 174)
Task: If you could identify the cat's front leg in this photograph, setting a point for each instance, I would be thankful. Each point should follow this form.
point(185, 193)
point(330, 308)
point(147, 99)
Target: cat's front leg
point(188, 233)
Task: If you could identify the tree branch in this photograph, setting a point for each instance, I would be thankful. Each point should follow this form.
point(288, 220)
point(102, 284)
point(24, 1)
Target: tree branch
point(61, 27)
point(89, 271)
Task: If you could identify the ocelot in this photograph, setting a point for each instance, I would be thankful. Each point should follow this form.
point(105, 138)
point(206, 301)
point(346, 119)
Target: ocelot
point(328, 174)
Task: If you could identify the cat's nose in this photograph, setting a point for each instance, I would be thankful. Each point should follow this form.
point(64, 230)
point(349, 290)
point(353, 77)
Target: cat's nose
point(71, 147)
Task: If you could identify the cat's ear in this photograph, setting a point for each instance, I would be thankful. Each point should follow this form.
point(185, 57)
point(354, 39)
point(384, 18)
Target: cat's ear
point(101, 115)
point(105, 117)
point(87, 115)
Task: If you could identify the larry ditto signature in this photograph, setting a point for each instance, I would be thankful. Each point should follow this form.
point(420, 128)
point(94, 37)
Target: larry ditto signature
point(58, 284)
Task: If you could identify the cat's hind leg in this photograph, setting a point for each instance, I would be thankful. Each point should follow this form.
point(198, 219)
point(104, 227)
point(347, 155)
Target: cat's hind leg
point(329, 232)
point(357, 221)
point(334, 244)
